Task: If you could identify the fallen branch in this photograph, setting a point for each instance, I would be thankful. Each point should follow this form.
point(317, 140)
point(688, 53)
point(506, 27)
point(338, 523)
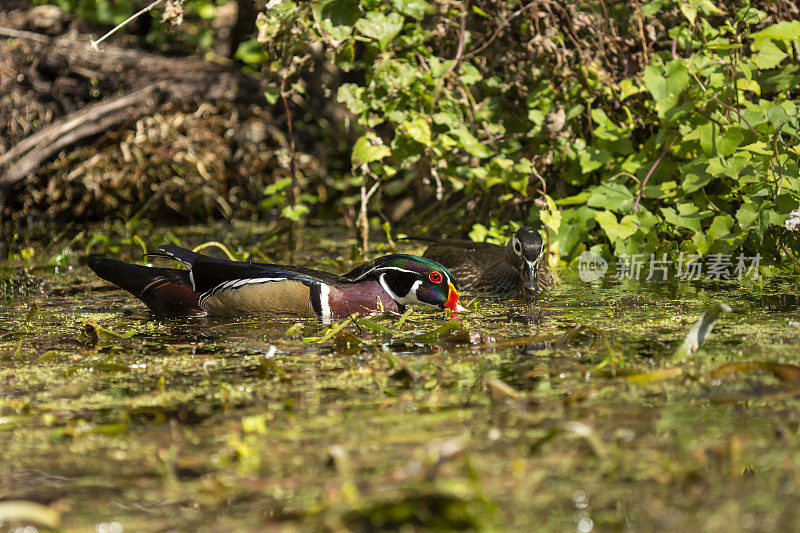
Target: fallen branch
point(22, 34)
point(72, 128)
point(147, 80)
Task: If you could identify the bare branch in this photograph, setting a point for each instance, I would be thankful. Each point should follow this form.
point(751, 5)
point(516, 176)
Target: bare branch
point(123, 23)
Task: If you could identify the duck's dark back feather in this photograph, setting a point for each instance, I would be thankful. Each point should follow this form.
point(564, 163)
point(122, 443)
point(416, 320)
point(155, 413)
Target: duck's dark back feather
point(208, 272)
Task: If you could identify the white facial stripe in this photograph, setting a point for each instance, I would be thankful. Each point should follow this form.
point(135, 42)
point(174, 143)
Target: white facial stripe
point(191, 278)
point(417, 283)
point(381, 269)
point(386, 287)
point(324, 304)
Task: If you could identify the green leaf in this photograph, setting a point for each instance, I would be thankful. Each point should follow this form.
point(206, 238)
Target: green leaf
point(731, 167)
point(689, 217)
point(613, 229)
point(352, 96)
point(592, 158)
point(713, 143)
point(294, 212)
point(364, 152)
point(666, 83)
point(577, 199)
point(470, 143)
point(277, 187)
point(481, 12)
point(552, 217)
point(716, 166)
point(419, 130)
point(785, 203)
point(720, 227)
point(770, 217)
point(654, 82)
point(251, 52)
point(707, 7)
point(721, 43)
point(413, 8)
point(748, 85)
point(746, 215)
point(439, 333)
point(438, 67)
point(470, 74)
point(382, 28)
point(272, 94)
point(758, 147)
point(689, 11)
point(613, 196)
point(644, 219)
point(629, 87)
point(447, 118)
point(781, 31)
point(576, 226)
point(665, 189)
point(768, 54)
point(693, 181)
point(335, 18)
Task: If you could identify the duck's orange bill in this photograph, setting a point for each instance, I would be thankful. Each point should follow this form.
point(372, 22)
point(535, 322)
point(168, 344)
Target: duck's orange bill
point(452, 300)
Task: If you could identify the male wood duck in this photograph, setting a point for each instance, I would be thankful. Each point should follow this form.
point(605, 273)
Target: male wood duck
point(491, 268)
point(221, 287)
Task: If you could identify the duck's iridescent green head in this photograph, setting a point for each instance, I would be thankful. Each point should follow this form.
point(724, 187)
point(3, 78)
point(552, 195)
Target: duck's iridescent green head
point(410, 279)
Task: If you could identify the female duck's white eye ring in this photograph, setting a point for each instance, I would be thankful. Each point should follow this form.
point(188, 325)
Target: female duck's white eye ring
point(517, 246)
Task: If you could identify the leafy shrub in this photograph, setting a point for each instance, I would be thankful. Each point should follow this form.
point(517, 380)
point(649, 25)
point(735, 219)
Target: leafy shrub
point(696, 152)
point(667, 127)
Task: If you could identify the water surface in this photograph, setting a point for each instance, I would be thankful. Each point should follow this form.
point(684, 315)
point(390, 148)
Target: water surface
point(116, 420)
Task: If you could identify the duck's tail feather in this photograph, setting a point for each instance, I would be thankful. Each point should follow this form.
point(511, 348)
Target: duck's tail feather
point(166, 291)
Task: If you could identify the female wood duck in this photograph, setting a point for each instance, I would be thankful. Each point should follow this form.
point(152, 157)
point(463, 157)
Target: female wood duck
point(484, 267)
point(233, 288)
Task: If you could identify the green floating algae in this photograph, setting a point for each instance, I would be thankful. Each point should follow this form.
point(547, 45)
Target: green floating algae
point(509, 418)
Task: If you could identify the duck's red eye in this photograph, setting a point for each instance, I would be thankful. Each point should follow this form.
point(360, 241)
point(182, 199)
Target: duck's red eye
point(435, 277)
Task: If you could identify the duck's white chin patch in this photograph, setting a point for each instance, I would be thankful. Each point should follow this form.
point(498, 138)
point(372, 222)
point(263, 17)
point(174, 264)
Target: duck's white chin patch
point(411, 297)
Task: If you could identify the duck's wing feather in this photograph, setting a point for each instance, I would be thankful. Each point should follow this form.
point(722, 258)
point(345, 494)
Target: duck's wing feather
point(231, 288)
point(209, 274)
